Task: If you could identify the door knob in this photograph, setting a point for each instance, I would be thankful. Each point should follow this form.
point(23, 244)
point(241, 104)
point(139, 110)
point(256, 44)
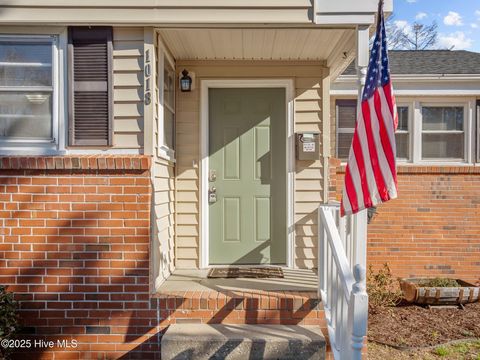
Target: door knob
point(212, 195)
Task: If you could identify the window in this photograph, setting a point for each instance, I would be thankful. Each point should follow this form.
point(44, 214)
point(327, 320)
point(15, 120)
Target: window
point(346, 119)
point(430, 132)
point(402, 135)
point(443, 135)
point(28, 90)
point(166, 111)
point(478, 131)
point(169, 106)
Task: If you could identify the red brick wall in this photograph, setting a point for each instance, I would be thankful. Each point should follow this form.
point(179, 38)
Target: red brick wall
point(74, 247)
point(432, 229)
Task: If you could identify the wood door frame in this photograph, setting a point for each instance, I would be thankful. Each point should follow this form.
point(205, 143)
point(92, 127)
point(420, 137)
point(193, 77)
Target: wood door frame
point(205, 85)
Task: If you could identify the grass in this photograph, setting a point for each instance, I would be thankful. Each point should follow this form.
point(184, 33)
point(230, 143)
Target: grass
point(441, 351)
point(461, 350)
point(465, 350)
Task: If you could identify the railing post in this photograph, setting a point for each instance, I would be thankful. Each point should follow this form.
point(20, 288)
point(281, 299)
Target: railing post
point(322, 255)
point(357, 315)
point(360, 238)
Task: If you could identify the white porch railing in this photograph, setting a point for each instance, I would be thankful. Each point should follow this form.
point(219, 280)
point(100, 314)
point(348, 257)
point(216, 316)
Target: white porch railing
point(342, 279)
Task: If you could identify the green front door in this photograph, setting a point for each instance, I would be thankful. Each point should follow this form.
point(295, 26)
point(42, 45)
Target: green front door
point(247, 176)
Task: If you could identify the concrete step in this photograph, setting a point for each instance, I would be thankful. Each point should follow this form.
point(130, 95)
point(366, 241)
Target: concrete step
point(232, 342)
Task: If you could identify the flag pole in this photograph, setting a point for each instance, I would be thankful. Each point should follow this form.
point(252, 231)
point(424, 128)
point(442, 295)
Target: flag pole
point(371, 175)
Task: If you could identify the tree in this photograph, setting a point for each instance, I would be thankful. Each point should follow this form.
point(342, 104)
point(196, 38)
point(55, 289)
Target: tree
point(402, 36)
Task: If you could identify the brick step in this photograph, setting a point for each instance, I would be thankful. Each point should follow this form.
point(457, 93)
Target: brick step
point(238, 307)
point(254, 342)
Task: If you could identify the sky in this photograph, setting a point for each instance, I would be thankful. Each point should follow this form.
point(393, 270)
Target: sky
point(458, 20)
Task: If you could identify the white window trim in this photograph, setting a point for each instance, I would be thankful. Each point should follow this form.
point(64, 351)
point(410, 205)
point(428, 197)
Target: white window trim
point(341, 130)
point(477, 124)
point(467, 131)
point(409, 132)
point(45, 147)
point(415, 122)
point(163, 151)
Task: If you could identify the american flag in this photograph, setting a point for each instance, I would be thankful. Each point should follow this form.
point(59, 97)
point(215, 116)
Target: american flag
point(371, 174)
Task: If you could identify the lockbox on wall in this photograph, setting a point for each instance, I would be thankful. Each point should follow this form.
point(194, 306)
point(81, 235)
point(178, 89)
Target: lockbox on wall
point(307, 146)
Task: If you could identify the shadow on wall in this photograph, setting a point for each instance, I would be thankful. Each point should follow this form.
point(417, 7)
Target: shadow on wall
point(80, 268)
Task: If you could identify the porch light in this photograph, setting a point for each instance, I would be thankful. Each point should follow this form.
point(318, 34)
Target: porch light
point(185, 82)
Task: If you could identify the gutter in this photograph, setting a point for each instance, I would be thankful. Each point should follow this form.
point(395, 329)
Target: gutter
point(418, 77)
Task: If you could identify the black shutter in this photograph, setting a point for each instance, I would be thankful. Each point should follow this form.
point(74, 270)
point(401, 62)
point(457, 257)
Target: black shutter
point(90, 86)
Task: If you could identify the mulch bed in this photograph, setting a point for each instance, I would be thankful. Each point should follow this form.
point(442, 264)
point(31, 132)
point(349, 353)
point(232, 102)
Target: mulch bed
point(415, 326)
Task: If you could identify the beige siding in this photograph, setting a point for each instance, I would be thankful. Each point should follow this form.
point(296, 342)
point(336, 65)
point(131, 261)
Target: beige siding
point(164, 218)
point(188, 143)
point(309, 175)
point(163, 177)
point(128, 121)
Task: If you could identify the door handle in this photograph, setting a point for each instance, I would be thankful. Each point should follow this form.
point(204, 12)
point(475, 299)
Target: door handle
point(212, 195)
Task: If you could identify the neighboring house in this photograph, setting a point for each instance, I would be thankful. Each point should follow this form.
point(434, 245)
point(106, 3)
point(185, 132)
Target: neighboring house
point(112, 178)
point(433, 228)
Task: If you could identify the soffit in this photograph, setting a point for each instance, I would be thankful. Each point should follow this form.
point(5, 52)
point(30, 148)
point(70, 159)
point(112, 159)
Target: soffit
point(252, 44)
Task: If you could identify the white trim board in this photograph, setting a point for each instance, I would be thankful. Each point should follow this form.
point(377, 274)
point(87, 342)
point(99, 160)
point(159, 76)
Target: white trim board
point(204, 121)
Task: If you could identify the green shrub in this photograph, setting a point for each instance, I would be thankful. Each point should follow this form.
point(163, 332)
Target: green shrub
point(9, 324)
point(383, 290)
point(439, 282)
point(441, 351)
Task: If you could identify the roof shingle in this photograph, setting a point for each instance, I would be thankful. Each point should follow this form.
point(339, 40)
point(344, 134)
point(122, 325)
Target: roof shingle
point(423, 62)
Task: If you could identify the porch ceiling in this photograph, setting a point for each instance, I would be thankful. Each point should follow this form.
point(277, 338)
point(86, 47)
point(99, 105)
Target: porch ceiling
point(255, 44)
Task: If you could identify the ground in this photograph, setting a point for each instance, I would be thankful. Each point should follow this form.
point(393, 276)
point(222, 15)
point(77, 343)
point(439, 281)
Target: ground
point(414, 332)
point(458, 351)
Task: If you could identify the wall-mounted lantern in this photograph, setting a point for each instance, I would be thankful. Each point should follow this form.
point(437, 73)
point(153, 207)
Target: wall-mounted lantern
point(185, 82)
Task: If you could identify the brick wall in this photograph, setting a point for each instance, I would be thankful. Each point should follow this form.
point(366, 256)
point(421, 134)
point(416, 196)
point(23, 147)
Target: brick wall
point(433, 228)
point(74, 247)
point(75, 250)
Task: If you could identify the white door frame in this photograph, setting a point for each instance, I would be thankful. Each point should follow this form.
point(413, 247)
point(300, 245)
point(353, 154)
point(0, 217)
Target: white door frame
point(288, 85)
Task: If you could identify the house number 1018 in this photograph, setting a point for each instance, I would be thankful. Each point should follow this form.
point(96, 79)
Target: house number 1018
point(148, 77)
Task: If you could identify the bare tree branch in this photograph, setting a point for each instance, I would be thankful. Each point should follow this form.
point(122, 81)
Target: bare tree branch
point(412, 37)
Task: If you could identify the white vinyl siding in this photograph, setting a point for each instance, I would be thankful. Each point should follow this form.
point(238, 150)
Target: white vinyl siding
point(163, 181)
point(128, 109)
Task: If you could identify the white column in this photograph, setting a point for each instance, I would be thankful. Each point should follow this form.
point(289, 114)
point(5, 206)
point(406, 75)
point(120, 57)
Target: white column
point(361, 62)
